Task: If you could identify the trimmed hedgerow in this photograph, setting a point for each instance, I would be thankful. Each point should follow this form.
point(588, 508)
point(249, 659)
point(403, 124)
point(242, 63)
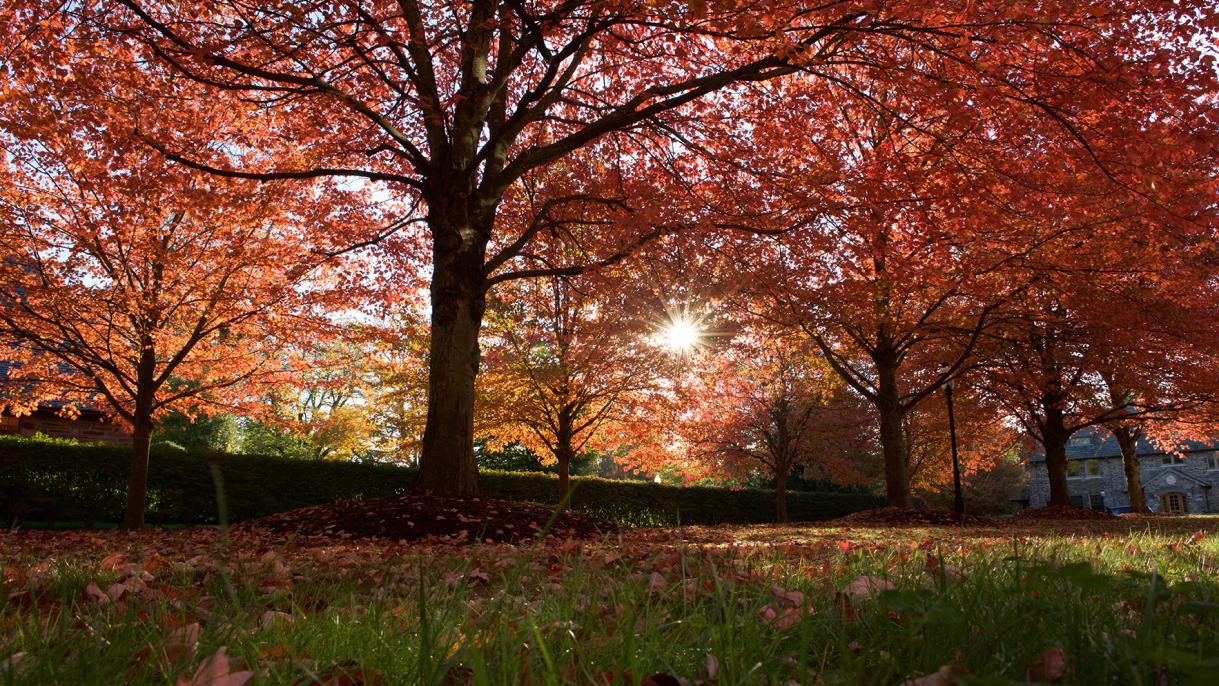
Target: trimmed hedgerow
point(48, 480)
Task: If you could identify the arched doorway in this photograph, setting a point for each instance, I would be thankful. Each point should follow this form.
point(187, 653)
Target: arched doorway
point(1173, 503)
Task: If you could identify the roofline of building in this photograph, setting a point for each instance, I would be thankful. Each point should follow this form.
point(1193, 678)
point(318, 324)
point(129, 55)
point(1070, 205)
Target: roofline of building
point(1040, 457)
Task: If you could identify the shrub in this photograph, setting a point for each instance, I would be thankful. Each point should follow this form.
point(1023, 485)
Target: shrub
point(50, 480)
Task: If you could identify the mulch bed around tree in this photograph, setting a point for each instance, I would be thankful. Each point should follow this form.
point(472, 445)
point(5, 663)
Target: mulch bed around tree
point(1064, 512)
point(910, 516)
point(1152, 514)
point(432, 519)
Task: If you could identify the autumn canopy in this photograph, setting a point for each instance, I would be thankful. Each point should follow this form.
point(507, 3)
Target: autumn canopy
point(846, 205)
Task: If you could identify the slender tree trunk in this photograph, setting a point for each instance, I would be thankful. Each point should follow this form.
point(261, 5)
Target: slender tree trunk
point(1127, 440)
point(137, 480)
point(446, 460)
point(892, 437)
point(564, 478)
point(563, 454)
point(141, 443)
point(1054, 439)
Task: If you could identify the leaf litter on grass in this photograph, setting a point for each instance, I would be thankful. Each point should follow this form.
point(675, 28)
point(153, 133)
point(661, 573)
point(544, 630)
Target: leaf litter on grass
point(295, 597)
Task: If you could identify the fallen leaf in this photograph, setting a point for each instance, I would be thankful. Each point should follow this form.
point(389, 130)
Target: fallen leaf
point(117, 591)
point(944, 676)
point(866, 587)
point(272, 617)
point(1049, 666)
point(96, 594)
point(12, 663)
point(351, 674)
point(114, 562)
point(861, 589)
point(790, 598)
point(182, 642)
point(784, 618)
point(218, 670)
point(935, 566)
point(656, 583)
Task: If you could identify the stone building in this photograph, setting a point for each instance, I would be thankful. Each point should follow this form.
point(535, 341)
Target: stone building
point(88, 425)
point(1187, 482)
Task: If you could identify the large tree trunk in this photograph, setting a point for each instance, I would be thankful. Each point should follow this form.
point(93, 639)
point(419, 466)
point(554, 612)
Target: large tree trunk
point(892, 438)
point(1127, 440)
point(781, 495)
point(446, 459)
point(1054, 439)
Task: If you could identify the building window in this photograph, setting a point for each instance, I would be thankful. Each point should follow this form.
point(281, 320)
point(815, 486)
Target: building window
point(1078, 469)
point(1173, 503)
point(1212, 459)
point(1172, 459)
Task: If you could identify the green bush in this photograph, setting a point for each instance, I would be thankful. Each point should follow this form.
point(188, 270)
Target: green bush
point(55, 480)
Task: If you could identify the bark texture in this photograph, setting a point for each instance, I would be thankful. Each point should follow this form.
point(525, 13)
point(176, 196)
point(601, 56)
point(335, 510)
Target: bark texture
point(446, 460)
point(892, 438)
point(137, 480)
point(563, 455)
point(1054, 439)
point(1127, 440)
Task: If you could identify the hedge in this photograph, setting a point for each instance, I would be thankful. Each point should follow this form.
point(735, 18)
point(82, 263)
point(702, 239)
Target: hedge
point(48, 480)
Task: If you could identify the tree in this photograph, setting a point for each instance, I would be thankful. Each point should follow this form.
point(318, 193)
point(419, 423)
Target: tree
point(1124, 426)
point(135, 283)
point(398, 385)
point(898, 283)
point(457, 104)
point(219, 432)
point(986, 439)
point(1116, 326)
point(767, 402)
point(1161, 385)
point(1085, 354)
point(568, 369)
point(933, 214)
point(322, 411)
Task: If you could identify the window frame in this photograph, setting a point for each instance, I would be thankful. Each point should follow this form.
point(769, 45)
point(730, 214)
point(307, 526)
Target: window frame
point(1083, 468)
point(1167, 500)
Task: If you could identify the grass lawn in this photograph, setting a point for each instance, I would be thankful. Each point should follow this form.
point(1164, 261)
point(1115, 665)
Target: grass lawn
point(1134, 601)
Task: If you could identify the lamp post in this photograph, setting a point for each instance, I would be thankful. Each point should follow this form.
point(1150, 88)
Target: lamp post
point(958, 498)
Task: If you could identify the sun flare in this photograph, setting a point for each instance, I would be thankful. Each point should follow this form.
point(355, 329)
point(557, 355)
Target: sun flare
point(680, 336)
